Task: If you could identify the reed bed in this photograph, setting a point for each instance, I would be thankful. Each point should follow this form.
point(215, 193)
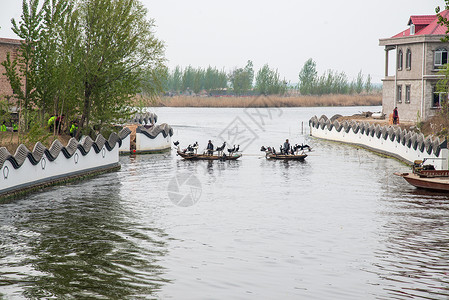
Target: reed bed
point(271, 101)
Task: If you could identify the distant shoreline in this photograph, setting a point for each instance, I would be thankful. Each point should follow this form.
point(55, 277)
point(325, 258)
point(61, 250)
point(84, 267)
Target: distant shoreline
point(270, 101)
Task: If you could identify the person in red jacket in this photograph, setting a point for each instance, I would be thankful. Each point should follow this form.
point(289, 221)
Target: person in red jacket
point(395, 116)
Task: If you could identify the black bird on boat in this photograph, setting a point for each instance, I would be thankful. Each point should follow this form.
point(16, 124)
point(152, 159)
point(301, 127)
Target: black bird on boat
point(231, 150)
point(220, 149)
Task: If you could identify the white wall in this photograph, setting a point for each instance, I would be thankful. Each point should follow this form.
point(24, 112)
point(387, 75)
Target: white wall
point(393, 148)
point(146, 144)
point(125, 147)
point(45, 171)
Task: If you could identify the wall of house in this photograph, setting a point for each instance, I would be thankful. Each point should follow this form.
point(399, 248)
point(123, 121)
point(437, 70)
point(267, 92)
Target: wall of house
point(410, 111)
point(430, 111)
point(414, 77)
point(6, 45)
point(402, 144)
point(388, 91)
point(416, 67)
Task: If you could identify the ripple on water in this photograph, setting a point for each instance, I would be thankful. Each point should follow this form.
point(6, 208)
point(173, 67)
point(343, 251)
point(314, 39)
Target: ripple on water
point(337, 226)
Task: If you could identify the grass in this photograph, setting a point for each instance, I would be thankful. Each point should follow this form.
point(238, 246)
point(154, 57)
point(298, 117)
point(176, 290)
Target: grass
point(437, 126)
point(271, 101)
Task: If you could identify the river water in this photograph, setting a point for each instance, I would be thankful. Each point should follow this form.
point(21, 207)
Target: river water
point(338, 226)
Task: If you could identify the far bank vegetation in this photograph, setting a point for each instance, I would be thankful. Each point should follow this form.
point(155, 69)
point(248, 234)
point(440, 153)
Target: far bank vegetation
point(245, 81)
point(271, 101)
point(242, 87)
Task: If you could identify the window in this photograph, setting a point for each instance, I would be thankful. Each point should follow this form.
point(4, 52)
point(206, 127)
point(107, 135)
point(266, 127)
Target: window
point(399, 62)
point(407, 93)
point(399, 94)
point(440, 57)
point(438, 98)
point(408, 59)
point(412, 29)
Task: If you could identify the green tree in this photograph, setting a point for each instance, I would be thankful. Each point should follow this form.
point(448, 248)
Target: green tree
point(242, 79)
point(20, 71)
point(188, 79)
point(307, 77)
point(359, 83)
point(443, 84)
point(117, 48)
point(72, 61)
point(177, 79)
point(268, 82)
point(368, 84)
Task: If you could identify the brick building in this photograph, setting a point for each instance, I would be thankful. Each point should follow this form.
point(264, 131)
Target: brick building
point(11, 46)
point(418, 56)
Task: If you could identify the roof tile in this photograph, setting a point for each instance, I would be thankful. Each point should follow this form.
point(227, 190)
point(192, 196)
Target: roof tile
point(432, 28)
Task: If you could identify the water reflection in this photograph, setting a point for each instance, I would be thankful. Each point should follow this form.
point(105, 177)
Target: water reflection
point(80, 247)
point(337, 226)
point(413, 258)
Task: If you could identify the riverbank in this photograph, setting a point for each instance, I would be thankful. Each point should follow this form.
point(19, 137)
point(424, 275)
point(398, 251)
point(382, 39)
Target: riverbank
point(270, 101)
point(436, 126)
point(405, 144)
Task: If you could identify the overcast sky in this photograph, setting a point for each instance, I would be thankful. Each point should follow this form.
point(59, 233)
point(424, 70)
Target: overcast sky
point(338, 35)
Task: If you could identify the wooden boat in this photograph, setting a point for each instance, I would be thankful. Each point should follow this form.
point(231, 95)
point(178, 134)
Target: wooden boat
point(298, 153)
point(194, 156)
point(300, 157)
point(439, 183)
point(426, 177)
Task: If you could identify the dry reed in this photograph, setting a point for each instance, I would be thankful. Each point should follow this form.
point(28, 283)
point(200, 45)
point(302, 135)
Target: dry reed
point(271, 101)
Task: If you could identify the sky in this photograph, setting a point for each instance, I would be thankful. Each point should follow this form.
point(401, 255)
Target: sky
point(339, 35)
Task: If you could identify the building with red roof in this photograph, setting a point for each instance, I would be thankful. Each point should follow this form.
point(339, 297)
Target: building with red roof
point(419, 55)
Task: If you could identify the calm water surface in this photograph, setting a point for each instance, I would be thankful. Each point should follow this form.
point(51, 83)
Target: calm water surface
point(337, 226)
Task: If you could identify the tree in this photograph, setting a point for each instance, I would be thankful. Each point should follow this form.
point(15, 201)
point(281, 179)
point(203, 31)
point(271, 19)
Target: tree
point(443, 84)
point(177, 79)
point(117, 48)
point(443, 21)
point(72, 61)
point(307, 77)
point(268, 82)
point(368, 84)
point(242, 79)
point(359, 83)
point(20, 71)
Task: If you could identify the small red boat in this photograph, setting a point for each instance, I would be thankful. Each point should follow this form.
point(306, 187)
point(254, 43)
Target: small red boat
point(426, 177)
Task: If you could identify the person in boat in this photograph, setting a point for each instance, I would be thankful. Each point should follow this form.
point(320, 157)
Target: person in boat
point(286, 147)
point(210, 148)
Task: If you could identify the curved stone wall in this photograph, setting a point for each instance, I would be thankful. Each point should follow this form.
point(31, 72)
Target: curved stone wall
point(392, 140)
point(29, 169)
point(144, 118)
point(154, 139)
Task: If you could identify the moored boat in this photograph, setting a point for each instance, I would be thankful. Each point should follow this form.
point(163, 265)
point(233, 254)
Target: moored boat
point(426, 177)
point(430, 183)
